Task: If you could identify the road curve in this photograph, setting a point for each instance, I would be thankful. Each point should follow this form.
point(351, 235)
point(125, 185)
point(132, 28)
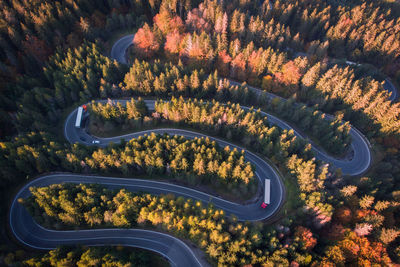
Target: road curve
point(358, 164)
point(361, 159)
point(248, 212)
point(389, 86)
point(118, 52)
point(121, 45)
point(29, 233)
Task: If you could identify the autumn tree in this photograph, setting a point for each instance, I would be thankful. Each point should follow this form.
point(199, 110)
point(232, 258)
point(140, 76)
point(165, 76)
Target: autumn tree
point(223, 63)
point(168, 23)
point(358, 250)
point(305, 236)
point(145, 42)
point(172, 44)
point(289, 76)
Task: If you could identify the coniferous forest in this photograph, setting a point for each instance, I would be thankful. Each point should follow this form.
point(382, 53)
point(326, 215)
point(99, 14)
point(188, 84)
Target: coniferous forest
point(187, 107)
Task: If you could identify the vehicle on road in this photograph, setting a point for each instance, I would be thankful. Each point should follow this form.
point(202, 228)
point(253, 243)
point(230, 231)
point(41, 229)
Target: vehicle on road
point(95, 142)
point(79, 118)
point(267, 194)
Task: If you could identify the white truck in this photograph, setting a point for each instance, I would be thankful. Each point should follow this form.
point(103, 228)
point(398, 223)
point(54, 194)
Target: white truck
point(267, 193)
point(79, 117)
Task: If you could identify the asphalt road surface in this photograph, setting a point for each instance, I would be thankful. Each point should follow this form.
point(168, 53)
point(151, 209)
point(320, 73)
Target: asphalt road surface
point(358, 164)
point(361, 159)
point(118, 52)
point(29, 233)
point(177, 252)
point(121, 45)
point(249, 212)
point(23, 225)
point(389, 86)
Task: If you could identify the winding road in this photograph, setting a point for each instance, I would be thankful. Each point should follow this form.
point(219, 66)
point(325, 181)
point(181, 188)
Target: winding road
point(49, 238)
point(389, 86)
point(360, 161)
point(28, 232)
point(358, 164)
point(121, 45)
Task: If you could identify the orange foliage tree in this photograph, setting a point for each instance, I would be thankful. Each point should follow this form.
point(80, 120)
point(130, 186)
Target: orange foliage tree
point(306, 237)
point(255, 66)
point(335, 232)
point(145, 42)
point(173, 43)
point(358, 251)
point(239, 67)
point(168, 23)
point(223, 63)
point(290, 74)
point(195, 21)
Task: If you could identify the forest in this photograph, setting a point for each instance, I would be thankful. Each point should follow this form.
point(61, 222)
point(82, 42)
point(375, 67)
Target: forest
point(192, 162)
point(202, 62)
point(226, 241)
point(237, 57)
point(197, 161)
point(88, 256)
